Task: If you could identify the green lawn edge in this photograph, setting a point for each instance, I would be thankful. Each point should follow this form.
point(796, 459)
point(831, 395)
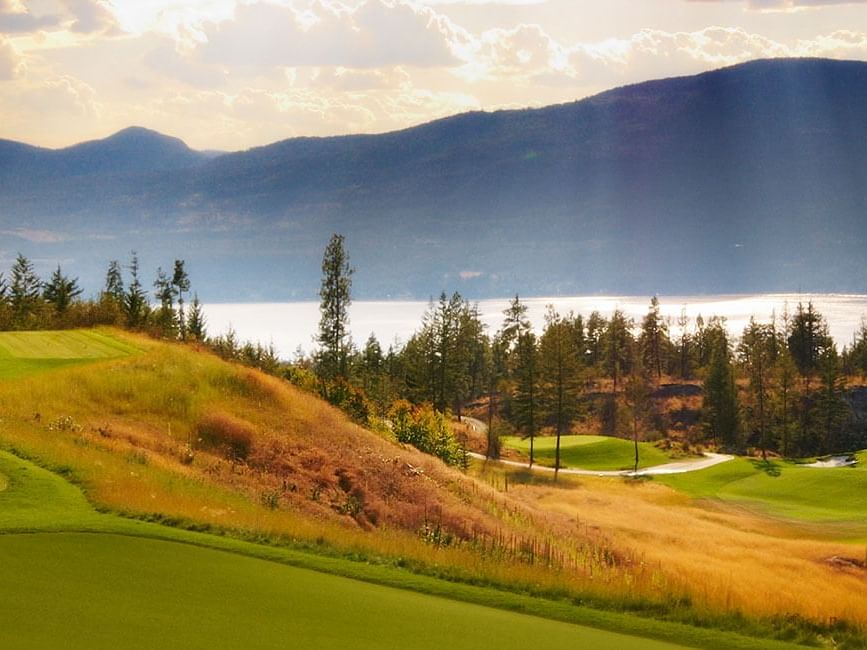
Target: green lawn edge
point(81, 518)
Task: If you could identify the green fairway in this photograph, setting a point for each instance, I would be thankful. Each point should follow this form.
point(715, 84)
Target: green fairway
point(25, 353)
point(784, 489)
point(75, 578)
point(107, 591)
point(589, 452)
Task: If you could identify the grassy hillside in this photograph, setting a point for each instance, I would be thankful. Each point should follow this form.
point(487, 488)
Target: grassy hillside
point(589, 452)
point(96, 580)
point(177, 435)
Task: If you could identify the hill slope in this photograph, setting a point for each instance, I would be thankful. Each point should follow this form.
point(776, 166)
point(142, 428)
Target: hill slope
point(743, 179)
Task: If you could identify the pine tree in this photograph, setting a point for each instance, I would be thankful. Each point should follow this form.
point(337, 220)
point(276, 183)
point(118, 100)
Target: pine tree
point(807, 340)
point(181, 283)
point(654, 339)
point(60, 291)
point(786, 398)
point(196, 322)
point(720, 411)
point(525, 400)
point(756, 352)
point(114, 283)
point(164, 292)
point(24, 292)
point(830, 408)
point(135, 303)
point(559, 366)
point(335, 299)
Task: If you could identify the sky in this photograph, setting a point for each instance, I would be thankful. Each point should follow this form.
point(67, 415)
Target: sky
point(234, 74)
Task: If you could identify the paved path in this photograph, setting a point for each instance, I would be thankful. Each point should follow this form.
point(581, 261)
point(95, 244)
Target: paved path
point(678, 467)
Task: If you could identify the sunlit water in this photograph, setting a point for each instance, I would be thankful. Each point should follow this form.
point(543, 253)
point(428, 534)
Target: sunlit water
point(292, 325)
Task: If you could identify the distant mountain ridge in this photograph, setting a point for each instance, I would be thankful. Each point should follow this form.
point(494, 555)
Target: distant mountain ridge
point(749, 178)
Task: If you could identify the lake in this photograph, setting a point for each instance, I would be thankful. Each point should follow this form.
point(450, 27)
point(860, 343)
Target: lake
point(292, 325)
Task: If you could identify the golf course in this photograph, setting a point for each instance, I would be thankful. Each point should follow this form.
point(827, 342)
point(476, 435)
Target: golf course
point(93, 435)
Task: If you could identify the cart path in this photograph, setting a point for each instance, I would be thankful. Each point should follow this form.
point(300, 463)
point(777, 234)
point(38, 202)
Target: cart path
point(679, 467)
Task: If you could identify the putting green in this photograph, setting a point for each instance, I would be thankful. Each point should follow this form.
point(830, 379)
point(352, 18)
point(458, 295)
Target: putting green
point(25, 353)
point(589, 452)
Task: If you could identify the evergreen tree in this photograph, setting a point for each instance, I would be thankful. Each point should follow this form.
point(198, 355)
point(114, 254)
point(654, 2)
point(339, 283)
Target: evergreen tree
point(596, 326)
point(618, 347)
point(135, 303)
point(830, 408)
point(684, 346)
point(515, 323)
point(720, 411)
point(24, 293)
point(114, 283)
point(786, 398)
point(756, 352)
point(559, 373)
point(196, 322)
point(164, 292)
point(335, 298)
point(654, 339)
point(525, 400)
point(60, 291)
point(807, 340)
point(181, 283)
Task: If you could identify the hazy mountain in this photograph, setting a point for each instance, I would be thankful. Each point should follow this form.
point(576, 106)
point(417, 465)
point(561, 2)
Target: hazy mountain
point(750, 178)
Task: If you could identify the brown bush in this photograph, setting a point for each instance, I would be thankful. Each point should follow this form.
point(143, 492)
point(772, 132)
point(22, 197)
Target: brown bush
point(225, 433)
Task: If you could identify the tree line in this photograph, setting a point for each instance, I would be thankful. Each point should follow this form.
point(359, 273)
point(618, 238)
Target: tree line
point(28, 302)
point(780, 388)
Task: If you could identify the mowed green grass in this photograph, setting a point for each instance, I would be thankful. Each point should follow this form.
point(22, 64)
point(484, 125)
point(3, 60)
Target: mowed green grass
point(25, 353)
point(784, 489)
point(74, 578)
point(79, 590)
point(589, 452)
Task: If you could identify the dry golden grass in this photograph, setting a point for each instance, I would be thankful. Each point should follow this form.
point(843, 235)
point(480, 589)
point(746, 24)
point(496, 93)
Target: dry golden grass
point(725, 559)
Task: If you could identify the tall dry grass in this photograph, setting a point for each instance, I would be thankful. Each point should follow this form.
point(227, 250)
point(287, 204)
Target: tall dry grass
point(725, 559)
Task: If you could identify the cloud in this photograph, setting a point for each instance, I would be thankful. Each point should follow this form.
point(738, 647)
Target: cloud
point(36, 236)
point(16, 19)
point(91, 17)
point(528, 55)
point(68, 94)
point(470, 275)
point(786, 5)
point(373, 34)
point(10, 62)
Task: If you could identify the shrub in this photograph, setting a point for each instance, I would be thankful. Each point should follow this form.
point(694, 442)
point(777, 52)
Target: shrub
point(227, 434)
point(427, 430)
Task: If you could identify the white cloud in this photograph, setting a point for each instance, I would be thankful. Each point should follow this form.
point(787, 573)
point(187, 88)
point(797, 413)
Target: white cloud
point(373, 34)
point(10, 63)
point(786, 5)
point(16, 19)
point(91, 17)
point(36, 236)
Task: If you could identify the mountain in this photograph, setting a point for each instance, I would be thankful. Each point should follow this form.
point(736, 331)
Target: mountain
point(749, 178)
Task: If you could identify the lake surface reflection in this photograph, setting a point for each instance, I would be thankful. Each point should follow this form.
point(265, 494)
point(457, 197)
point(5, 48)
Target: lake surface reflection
point(293, 324)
